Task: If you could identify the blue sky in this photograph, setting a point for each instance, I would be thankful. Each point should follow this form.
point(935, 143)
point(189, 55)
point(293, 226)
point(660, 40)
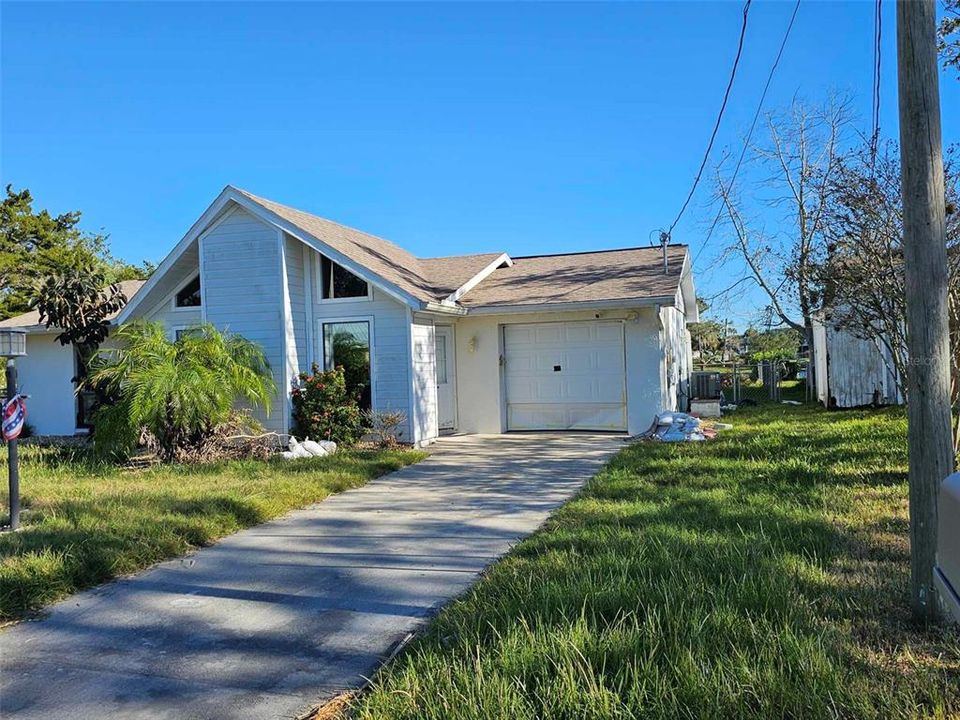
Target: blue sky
point(447, 128)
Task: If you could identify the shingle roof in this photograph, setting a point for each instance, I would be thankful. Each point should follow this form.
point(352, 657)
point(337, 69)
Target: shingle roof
point(449, 274)
point(388, 261)
point(32, 318)
point(632, 273)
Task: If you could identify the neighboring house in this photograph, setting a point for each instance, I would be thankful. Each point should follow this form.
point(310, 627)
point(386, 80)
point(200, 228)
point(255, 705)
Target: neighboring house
point(850, 371)
point(474, 343)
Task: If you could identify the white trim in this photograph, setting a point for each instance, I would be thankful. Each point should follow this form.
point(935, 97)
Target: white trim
point(179, 288)
point(286, 320)
point(411, 384)
point(318, 266)
point(369, 319)
point(308, 298)
point(451, 349)
point(174, 329)
point(200, 267)
point(208, 216)
point(480, 276)
point(570, 306)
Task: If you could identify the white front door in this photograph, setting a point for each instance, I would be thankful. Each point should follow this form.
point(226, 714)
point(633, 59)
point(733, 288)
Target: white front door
point(446, 379)
point(565, 376)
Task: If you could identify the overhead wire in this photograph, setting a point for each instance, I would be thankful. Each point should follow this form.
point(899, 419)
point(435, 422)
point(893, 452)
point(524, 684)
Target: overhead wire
point(753, 125)
point(716, 125)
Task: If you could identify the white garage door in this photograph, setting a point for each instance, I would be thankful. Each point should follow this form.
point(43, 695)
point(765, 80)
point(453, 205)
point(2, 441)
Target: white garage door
point(565, 376)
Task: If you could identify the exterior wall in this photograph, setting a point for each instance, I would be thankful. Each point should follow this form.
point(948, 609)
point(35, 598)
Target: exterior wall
point(677, 359)
point(821, 378)
point(856, 370)
point(173, 317)
point(46, 375)
point(479, 348)
point(424, 379)
point(243, 293)
point(391, 340)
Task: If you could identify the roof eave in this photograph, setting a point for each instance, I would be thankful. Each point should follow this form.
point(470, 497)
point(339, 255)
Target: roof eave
point(615, 303)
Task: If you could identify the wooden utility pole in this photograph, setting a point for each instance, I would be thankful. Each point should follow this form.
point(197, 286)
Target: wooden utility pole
point(925, 257)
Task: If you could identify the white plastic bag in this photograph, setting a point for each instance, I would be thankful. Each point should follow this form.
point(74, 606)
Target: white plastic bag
point(313, 448)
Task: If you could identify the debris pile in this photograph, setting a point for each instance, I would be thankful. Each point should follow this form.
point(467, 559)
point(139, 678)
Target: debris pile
point(682, 427)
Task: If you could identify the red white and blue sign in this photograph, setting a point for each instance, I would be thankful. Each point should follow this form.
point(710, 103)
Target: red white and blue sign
point(14, 415)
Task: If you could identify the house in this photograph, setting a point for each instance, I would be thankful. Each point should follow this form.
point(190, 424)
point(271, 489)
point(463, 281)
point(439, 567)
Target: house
point(851, 371)
point(482, 343)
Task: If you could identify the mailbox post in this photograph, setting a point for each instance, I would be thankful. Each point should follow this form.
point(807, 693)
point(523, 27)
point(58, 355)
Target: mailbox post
point(13, 344)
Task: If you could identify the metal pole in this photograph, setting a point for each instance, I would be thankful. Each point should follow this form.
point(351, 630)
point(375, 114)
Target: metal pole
point(12, 449)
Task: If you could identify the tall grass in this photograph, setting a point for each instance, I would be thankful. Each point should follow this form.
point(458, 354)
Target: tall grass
point(86, 522)
point(762, 575)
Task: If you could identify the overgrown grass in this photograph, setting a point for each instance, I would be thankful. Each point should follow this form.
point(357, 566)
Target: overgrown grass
point(85, 523)
point(762, 575)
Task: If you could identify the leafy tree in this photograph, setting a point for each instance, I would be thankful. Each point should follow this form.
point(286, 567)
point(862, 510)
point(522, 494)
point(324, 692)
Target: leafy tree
point(76, 301)
point(949, 34)
point(35, 245)
point(863, 274)
point(706, 336)
point(775, 344)
point(178, 391)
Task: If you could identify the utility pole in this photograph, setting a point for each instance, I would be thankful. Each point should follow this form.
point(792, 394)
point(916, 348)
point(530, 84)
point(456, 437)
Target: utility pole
point(925, 258)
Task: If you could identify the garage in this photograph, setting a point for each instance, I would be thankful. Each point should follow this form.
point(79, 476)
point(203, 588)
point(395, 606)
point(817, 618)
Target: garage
point(565, 376)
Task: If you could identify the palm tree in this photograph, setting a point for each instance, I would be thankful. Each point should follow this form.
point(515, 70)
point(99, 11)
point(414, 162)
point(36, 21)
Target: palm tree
point(178, 390)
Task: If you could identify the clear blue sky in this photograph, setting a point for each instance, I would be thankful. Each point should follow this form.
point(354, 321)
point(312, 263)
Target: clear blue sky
point(446, 128)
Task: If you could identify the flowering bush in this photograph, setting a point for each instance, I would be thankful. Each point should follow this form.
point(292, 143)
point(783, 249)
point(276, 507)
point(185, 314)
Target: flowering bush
point(323, 409)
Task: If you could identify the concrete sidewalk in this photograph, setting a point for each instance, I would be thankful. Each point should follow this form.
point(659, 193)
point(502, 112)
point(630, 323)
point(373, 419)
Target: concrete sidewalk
point(276, 618)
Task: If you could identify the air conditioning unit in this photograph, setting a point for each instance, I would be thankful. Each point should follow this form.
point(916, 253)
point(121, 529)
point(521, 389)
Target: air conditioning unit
point(705, 386)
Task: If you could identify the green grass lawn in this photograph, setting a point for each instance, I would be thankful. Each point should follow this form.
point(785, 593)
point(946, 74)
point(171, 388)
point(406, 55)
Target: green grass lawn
point(762, 575)
point(85, 523)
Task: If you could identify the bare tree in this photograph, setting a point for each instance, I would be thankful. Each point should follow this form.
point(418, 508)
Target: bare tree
point(797, 165)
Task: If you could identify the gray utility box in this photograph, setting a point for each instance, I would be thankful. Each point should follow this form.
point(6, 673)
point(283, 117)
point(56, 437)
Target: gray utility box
point(947, 572)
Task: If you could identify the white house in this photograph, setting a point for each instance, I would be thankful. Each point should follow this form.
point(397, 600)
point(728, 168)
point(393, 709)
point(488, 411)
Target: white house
point(473, 343)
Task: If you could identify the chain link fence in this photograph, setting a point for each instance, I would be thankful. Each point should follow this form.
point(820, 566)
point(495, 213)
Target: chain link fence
point(751, 383)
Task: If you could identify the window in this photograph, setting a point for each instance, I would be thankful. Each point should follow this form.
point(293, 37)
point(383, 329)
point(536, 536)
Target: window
point(441, 344)
point(338, 282)
point(85, 399)
point(347, 345)
point(182, 332)
point(189, 295)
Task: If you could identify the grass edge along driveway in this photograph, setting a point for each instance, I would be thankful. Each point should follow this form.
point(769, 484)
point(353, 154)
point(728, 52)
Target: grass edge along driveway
point(86, 523)
point(761, 575)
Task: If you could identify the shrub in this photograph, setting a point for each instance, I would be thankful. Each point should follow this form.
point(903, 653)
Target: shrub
point(323, 409)
point(177, 391)
point(385, 426)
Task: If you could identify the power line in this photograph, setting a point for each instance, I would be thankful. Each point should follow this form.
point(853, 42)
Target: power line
point(716, 126)
point(753, 124)
point(877, 57)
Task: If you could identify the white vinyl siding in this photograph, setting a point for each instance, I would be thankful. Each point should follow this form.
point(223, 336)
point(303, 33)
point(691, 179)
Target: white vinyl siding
point(243, 292)
point(390, 352)
point(424, 376)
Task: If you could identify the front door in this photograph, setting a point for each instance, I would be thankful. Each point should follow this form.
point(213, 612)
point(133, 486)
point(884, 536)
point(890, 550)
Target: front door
point(446, 379)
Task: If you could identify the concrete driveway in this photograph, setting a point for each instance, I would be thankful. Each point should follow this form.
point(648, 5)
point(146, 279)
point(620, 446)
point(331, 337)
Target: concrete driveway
point(277, 618)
